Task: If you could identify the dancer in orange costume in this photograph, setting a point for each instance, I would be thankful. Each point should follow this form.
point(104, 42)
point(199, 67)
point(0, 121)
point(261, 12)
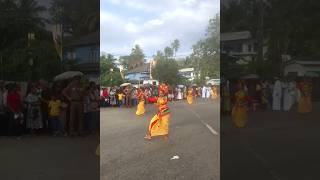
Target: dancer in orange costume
point(164, 88)
point(214, 93)
point(239, 111)
point(190, 96)
point(305, 103)
point(159, 124)
point(140, 108)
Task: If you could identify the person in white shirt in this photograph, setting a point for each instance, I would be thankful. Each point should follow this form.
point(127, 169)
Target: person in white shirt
point(277, 95)
point(179, 96)
point(208, 92)
point(204, 92)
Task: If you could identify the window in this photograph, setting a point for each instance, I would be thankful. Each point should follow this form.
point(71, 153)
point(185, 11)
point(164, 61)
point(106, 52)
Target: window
point(93, 56)
point(249, 48)
point(71, 55)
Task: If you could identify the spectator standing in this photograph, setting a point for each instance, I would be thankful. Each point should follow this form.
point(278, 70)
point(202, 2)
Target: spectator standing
point(127, 93)
point(14, 105)
point(134, 99)
point(54, 107)
point(75, 94)
point(34, 116)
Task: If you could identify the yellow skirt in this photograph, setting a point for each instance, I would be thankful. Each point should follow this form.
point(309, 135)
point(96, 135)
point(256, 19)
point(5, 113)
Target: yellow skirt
point(305, 105)
point(189, 99)
point(159, 127)
point(140, 109)
point(98, 150)
point(239, 116)
point(214, 95)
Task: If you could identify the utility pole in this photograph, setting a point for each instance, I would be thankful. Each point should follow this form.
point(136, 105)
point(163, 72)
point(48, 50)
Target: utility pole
point(260, 36)
point(61, 37)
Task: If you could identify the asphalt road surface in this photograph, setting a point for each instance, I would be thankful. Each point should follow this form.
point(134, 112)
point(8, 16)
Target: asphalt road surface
point(49, 158)
point(194, 137)
point(274, 146)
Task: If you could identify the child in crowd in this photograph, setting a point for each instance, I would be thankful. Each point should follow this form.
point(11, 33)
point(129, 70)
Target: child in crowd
point(54, 114)
point(120, 98)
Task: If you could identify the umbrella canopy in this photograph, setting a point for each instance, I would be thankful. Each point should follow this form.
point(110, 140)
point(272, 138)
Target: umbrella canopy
point(67, 75)
point(251, 76)
point(125, 84)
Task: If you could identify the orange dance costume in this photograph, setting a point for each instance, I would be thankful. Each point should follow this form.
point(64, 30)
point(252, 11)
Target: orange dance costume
point(214, 93)
point(190, 96)
point(159, 124)
point(239, 111)
point(140, 108)
point(305, 103)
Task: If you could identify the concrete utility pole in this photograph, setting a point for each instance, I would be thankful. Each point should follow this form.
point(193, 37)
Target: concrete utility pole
point(260, 35)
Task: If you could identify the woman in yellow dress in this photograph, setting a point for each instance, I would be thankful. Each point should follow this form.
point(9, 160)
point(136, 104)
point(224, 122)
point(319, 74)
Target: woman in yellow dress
point(159, 124)
point(140, 108)
point(239, 111)
point(214, 93)
point(305, 104)
point(190, 95)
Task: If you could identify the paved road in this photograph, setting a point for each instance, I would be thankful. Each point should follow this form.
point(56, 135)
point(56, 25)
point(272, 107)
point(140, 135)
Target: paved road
point(274, 146)
point(194, 137)
point(49, 158)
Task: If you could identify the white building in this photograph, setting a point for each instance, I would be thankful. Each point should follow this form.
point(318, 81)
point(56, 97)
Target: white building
point(302, 67)
point(241, 45)
point(188, 73)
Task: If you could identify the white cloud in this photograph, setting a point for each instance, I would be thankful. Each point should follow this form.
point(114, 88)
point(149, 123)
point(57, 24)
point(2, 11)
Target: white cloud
point(131, 28)
point(154, 22)
point(185, 20)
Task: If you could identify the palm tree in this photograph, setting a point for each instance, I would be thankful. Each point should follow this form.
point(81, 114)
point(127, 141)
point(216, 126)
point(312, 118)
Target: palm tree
point(175, 46)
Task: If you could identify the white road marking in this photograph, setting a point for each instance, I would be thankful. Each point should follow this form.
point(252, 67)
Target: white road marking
point(264, 163)
point(207, 125)
point(211, 129)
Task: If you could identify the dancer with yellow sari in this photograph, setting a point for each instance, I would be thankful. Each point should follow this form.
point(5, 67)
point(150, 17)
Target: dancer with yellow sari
point(305, 104)
point(190, 96)
point(140, 108)
point(239, 111)
point(214, 93)
point(159, 124)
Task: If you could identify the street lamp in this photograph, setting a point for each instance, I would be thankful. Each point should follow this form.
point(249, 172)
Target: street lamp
point(111, 70)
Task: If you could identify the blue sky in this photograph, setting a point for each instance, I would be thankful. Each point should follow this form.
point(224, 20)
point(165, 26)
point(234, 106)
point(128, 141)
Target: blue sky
point(153, 24)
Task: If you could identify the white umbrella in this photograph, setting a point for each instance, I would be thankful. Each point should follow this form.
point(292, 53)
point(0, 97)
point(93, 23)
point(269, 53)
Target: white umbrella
point(125, 84)
point(67, 75)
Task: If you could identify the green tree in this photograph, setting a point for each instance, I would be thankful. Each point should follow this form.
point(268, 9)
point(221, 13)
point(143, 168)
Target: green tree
point(17, 20)
point(168, 52)
point(287, 29)
point(175, 46)
point(166, 71)
point(79, 17)
point(166, 68)
point(109, 72)
point(205, 57)
point(135, 59)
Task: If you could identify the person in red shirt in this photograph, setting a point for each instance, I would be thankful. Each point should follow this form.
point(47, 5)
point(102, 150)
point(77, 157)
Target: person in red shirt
point(14, 106)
